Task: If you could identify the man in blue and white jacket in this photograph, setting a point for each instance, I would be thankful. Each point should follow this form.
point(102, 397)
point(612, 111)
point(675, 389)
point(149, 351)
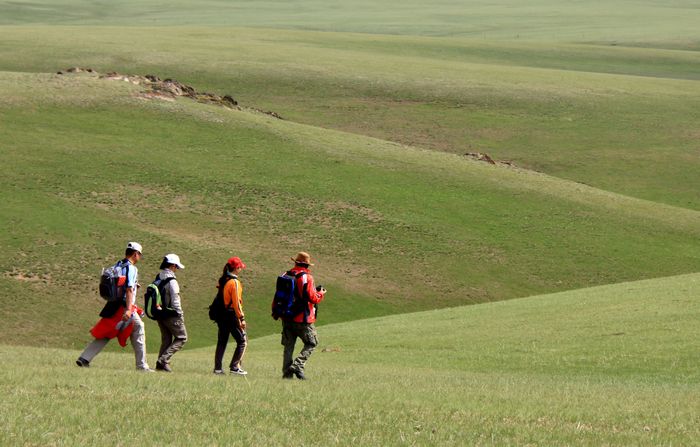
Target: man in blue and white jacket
point(127, 304)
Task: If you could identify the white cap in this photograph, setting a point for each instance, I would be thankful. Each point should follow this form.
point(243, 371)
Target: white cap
point(134, 246)
point(172, 258)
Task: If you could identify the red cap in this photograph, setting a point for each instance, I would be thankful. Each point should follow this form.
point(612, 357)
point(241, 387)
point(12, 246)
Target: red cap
point(236, 262)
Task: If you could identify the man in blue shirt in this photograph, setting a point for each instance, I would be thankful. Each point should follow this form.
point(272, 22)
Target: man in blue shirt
point(130, 315)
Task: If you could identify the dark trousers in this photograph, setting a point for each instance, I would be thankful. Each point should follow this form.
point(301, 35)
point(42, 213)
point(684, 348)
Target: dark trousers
point(230, 327)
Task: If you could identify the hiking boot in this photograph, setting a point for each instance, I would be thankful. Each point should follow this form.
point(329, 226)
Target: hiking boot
point(219, 372)
point(288, 375)
point(145, 370)
point(239, 371)
point(163, 367)
point(82, 362)
point(300, 375)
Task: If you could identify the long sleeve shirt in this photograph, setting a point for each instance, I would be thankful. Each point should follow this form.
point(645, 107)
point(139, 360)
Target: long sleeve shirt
point(305, 283)
point(233, 296)
point(172, 290)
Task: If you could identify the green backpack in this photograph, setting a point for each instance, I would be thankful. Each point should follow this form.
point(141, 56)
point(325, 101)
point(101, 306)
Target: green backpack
point(155, 306)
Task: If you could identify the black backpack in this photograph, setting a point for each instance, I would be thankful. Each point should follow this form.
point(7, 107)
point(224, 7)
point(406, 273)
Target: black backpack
point(156, 305)
point(112, 282)
point(217, 310)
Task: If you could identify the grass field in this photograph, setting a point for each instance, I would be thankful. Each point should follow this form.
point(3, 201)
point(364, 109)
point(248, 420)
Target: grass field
point(614, 365)
point(395, 228)
point(620, 119)
point(656, 21)
point(460, 310)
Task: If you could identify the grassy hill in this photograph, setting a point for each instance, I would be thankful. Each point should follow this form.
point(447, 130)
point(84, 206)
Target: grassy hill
point(394, 228)
point(623, 119)
point(594, 103)
point(612, 365)
point(644, 22)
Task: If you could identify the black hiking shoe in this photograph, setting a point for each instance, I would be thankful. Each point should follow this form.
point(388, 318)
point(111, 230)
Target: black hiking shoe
point(300, 375)
point(82, 362)
point(163, 367)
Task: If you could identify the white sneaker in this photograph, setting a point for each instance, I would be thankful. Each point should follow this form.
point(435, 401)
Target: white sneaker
point(239, 371)
point(219, 372)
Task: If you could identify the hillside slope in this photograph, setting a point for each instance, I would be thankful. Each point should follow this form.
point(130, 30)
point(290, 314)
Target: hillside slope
point(612, 365)
point(93, 164)
point(618, 118)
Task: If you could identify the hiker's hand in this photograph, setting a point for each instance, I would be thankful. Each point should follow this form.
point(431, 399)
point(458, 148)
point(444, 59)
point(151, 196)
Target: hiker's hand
point(243, 325)
point(127, 315)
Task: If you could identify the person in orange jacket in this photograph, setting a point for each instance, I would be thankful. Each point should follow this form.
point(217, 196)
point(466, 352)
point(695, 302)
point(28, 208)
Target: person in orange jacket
point(301, 325)
point(232, 320)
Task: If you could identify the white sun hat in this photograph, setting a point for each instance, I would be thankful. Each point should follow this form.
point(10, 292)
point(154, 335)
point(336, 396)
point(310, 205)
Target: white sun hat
point(134, 246)
point(172, 258)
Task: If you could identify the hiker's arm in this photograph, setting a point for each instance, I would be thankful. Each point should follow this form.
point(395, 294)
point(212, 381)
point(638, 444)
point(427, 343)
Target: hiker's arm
point(315, 296)
point(130, 300)
point(238, 303)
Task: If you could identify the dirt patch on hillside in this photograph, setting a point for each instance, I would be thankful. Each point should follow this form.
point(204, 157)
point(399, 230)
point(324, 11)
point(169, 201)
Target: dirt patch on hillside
point(486, 158)
point(27, 276)
point(167, 89)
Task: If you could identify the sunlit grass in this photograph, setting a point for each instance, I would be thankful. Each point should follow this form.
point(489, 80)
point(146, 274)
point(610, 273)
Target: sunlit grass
point(613, 365)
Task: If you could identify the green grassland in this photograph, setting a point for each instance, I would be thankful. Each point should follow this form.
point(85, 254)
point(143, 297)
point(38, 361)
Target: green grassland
point(652, 21)
point(612, 365)
point(451, 317)
point(394, 228)
point(623, 119)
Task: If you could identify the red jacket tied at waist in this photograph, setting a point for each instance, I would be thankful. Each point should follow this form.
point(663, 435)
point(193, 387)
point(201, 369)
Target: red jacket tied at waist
point(107, 327)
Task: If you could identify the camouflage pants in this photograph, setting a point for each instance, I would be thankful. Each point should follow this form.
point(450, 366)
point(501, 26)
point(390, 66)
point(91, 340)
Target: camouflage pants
point(304, 331)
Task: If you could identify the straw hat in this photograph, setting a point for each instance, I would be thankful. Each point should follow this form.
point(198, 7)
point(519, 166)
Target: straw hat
point(302, 258)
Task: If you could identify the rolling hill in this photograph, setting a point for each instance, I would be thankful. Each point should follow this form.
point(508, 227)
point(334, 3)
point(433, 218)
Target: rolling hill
point(394, 228)
point(501, 198)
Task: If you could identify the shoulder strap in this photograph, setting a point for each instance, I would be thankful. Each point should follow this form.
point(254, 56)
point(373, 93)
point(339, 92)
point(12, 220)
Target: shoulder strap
point(222, 285)
point(163, 282)
point(125, 269)
point(297, 276)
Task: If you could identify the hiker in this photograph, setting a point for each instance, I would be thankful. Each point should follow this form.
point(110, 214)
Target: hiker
point(299, 320)
point(173, 334)
point(121, 318)
point(231, 319)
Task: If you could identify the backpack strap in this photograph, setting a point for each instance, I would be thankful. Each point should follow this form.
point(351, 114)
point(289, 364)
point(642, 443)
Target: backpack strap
point(303, 295)
point(222, 284)
point(161, 283)
point(297, 276)
point(124, 267)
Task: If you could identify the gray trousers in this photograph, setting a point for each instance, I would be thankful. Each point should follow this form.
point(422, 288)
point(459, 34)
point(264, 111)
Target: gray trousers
point(138, 341)
point(307, 333)
point(173, 336)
